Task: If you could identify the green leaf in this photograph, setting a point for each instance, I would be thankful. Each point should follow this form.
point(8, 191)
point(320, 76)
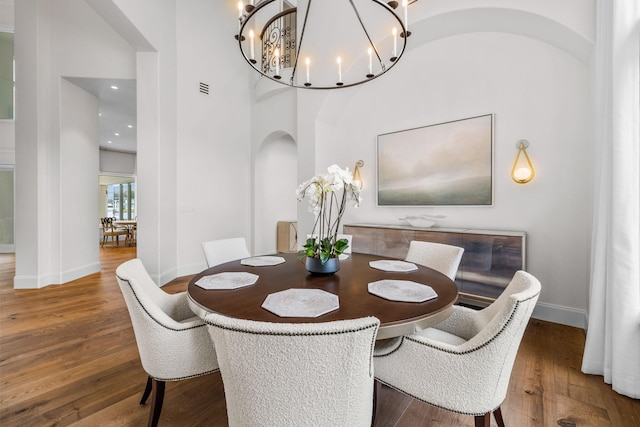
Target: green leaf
point(341, 246)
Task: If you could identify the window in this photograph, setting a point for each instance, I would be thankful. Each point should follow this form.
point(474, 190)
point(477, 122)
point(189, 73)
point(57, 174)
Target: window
point(6, 210)
point(121, 201)
point(6, 76)
point(118, 197)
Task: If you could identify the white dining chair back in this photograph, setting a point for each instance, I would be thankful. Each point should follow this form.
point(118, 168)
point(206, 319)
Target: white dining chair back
point(302, 374)
point(439, 256)
point(220, 251)
point(173, 343)
point(464, 363)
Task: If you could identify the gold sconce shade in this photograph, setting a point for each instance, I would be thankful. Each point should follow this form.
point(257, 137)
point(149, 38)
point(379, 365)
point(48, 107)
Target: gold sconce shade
point(356, 174)
point(522, 170)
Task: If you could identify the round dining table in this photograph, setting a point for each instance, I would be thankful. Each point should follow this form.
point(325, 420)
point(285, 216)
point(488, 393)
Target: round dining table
point(350, 284)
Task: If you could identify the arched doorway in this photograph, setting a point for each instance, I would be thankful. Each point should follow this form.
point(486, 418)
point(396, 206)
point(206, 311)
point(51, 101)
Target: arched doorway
point(275, 186)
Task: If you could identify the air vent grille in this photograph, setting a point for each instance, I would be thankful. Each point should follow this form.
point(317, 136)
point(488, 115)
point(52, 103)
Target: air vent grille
point(204, 88)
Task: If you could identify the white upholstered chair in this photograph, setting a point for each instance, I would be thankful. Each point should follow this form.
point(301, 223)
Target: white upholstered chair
point(224, 250)
point(440, 257)
point(172, 342)
point(296, 374)
point(464, 363)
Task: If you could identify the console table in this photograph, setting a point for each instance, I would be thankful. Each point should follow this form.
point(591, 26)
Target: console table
point(489, 261)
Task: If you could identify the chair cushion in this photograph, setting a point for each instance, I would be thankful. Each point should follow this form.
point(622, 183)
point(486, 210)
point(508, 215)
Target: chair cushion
point(442, 336)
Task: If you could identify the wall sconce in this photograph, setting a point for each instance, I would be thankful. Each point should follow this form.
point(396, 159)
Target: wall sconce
point(356, 173)
point(522, 170)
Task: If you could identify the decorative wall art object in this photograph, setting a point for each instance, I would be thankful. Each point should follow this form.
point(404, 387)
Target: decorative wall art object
point(446, 164)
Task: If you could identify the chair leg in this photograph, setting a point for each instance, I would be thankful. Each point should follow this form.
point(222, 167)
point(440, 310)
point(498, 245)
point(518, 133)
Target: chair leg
point(497, 414)
point(156, 402)
point(377, 388)
point(483, 420)
point(147, 391)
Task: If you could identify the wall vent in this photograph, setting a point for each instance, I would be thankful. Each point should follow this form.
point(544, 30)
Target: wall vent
point(204, 88)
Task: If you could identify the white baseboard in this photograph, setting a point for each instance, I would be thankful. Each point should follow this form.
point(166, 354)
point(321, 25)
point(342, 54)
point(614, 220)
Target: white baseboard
point(37, 282)
point(165, 277)
point(188, 270)
point(560, 314)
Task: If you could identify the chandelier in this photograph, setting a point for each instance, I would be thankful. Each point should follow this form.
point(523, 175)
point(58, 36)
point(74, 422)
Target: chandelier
point(322, 45)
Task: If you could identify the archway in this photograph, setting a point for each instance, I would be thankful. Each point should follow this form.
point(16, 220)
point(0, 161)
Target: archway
point(275, 185)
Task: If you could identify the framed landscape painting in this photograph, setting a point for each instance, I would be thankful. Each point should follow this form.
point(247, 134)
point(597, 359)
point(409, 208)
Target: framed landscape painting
point(447, 164)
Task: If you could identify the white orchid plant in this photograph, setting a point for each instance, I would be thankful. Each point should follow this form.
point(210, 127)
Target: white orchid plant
point(328, 194)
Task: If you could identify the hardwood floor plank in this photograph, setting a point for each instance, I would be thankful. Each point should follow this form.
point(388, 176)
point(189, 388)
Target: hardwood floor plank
point(68, 357)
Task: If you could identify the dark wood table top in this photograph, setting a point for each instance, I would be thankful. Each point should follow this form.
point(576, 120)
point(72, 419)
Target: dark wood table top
point(350, 284)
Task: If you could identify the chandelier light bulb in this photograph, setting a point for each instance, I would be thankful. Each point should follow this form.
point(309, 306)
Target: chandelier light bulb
point(253, 53)
point(307, 62)
point(522, 170)
point(339, 71)
point(394, 32)
point(406, 14)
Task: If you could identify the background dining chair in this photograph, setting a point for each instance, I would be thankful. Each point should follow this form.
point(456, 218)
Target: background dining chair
point(172, 342)
point(224, 250)
point(109, 230)
point(302, 374)
point(440, 257)
point(464, 363)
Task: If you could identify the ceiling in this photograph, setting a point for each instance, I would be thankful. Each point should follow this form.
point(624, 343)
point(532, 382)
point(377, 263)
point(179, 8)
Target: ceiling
point(117, 111)
point(110, 179)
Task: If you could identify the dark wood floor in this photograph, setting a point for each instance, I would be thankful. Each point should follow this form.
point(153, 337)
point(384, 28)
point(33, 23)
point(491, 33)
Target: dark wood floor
point(68, 357)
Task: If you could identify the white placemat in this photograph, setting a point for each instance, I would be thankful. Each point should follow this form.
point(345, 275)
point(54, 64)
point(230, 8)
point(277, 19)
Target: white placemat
point(301, 303)
point(227, 280)
point(402, 290)
point(393, 265)
point(262, 261)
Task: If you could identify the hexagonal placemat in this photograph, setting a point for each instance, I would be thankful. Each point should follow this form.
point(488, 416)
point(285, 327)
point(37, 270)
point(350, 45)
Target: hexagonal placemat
point(262, 261)
point(301, 303)
point(227, 280)
point(393, 265)
point(402, 290)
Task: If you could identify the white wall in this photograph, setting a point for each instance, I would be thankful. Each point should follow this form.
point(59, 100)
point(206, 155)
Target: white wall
point(117, 162)
point(538, 87)
point(214, 151)
point(531, 70)
point(54, 39)
point(275, 189)
point(79, 254)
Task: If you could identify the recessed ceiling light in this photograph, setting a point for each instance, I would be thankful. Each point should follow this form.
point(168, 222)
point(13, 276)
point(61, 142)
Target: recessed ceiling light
point(109, 142)
point(116, 134)
point(114, 87)
point(129, 126)
point(99, 114)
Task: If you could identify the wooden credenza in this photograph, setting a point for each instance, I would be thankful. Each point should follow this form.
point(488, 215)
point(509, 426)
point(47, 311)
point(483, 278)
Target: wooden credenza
point(489, 261)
